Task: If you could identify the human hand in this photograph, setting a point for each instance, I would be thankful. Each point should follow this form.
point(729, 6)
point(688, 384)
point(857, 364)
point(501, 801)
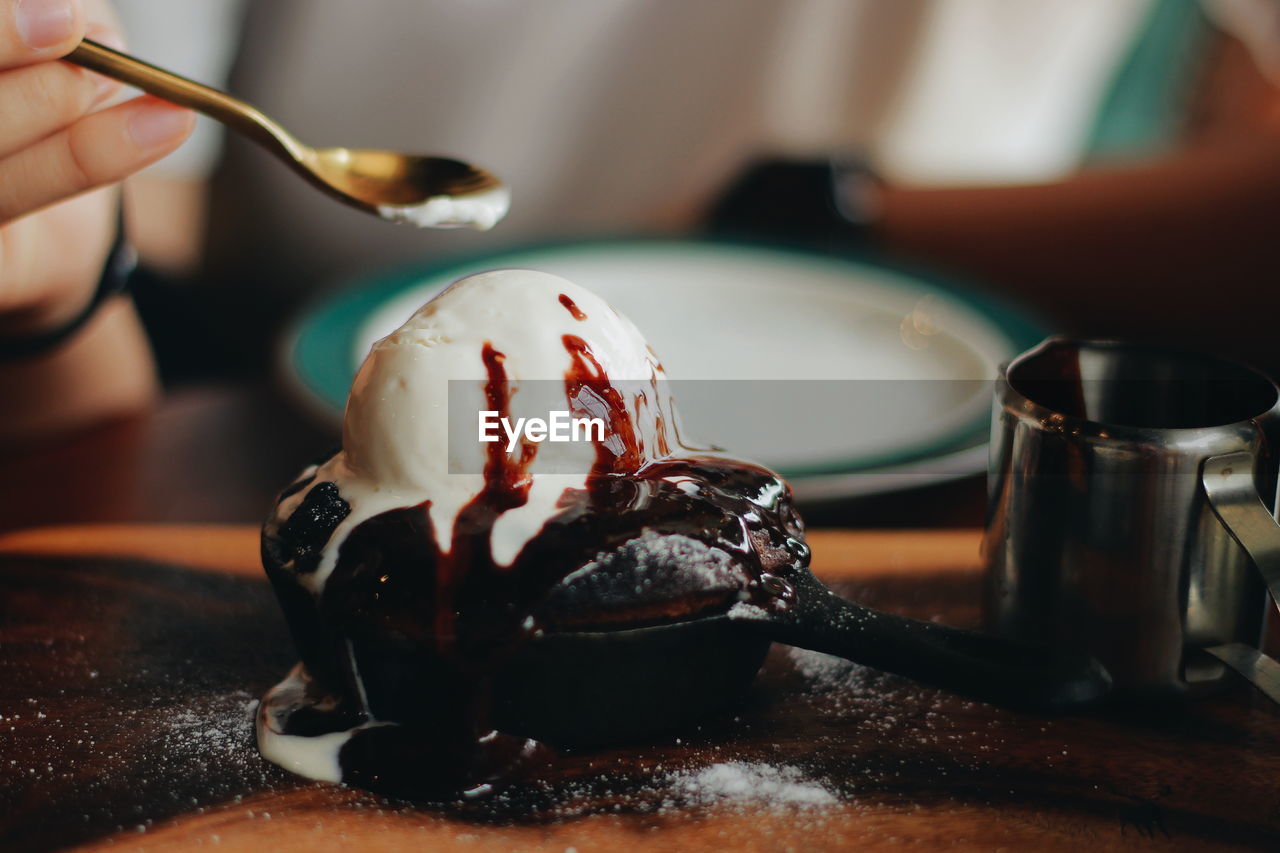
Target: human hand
point(60, 153)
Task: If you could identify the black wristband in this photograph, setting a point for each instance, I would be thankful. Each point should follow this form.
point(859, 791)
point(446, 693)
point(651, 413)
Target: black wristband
point(120, 264)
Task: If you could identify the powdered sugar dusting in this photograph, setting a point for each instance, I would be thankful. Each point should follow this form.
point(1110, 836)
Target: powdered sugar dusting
point(658, 564)
point(744, 782)
point(219, 729)
point(745, 610)
point(828, 670)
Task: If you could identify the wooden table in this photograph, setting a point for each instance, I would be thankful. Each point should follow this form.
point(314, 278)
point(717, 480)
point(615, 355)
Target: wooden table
point(130, 657)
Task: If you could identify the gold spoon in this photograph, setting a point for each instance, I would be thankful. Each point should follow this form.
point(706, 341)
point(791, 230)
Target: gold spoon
point(430, 192)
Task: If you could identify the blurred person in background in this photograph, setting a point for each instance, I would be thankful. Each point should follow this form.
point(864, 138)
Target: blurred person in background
point(1112, 164)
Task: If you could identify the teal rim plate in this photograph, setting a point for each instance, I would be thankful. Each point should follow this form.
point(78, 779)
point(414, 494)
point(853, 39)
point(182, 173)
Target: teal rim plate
point(849, 376)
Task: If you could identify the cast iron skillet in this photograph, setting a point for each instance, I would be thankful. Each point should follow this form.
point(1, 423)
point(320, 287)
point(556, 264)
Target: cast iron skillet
point(591, 688)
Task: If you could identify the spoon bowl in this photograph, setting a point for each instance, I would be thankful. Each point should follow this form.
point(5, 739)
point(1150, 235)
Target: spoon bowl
point(391, 178)
point(430, 192)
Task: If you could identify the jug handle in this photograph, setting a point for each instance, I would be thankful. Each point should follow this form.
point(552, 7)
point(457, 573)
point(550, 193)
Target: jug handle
point(1233, 497)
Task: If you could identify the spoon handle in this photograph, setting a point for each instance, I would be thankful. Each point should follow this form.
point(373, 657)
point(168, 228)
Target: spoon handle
point(978, 665)
point(165, 84)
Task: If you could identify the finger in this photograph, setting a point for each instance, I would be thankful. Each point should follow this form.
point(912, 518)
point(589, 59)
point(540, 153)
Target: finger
point(103, 26)
point(104, 86)
point(41, 99)
point(101, 148)
point(102, 13)
point(38, 30)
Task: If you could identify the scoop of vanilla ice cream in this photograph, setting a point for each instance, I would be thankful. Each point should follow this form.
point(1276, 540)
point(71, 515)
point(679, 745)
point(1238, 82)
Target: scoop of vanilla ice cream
point(396, 429)
point(397, 421)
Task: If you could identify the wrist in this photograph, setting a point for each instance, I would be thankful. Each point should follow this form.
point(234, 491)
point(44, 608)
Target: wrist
point(55, 307)
point(35, 330)
point(105, 372)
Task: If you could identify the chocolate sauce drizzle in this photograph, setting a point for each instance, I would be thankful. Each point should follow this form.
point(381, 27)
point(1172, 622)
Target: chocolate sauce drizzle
point(418, 636)
point(572, 306)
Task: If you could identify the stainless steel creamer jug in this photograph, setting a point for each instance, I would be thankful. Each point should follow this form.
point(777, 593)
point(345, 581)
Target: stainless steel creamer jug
point(1130, 515)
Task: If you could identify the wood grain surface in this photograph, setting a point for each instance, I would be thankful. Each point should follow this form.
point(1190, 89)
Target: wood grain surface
point(131, 656)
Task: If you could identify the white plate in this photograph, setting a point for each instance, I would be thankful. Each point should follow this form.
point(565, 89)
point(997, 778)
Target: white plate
point(846, 377)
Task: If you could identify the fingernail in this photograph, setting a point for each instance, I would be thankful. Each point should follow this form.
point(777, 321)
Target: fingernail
point(44, 23)
point(153, 125)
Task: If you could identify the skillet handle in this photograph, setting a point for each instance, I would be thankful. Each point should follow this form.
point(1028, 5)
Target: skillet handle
point(977, 665)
